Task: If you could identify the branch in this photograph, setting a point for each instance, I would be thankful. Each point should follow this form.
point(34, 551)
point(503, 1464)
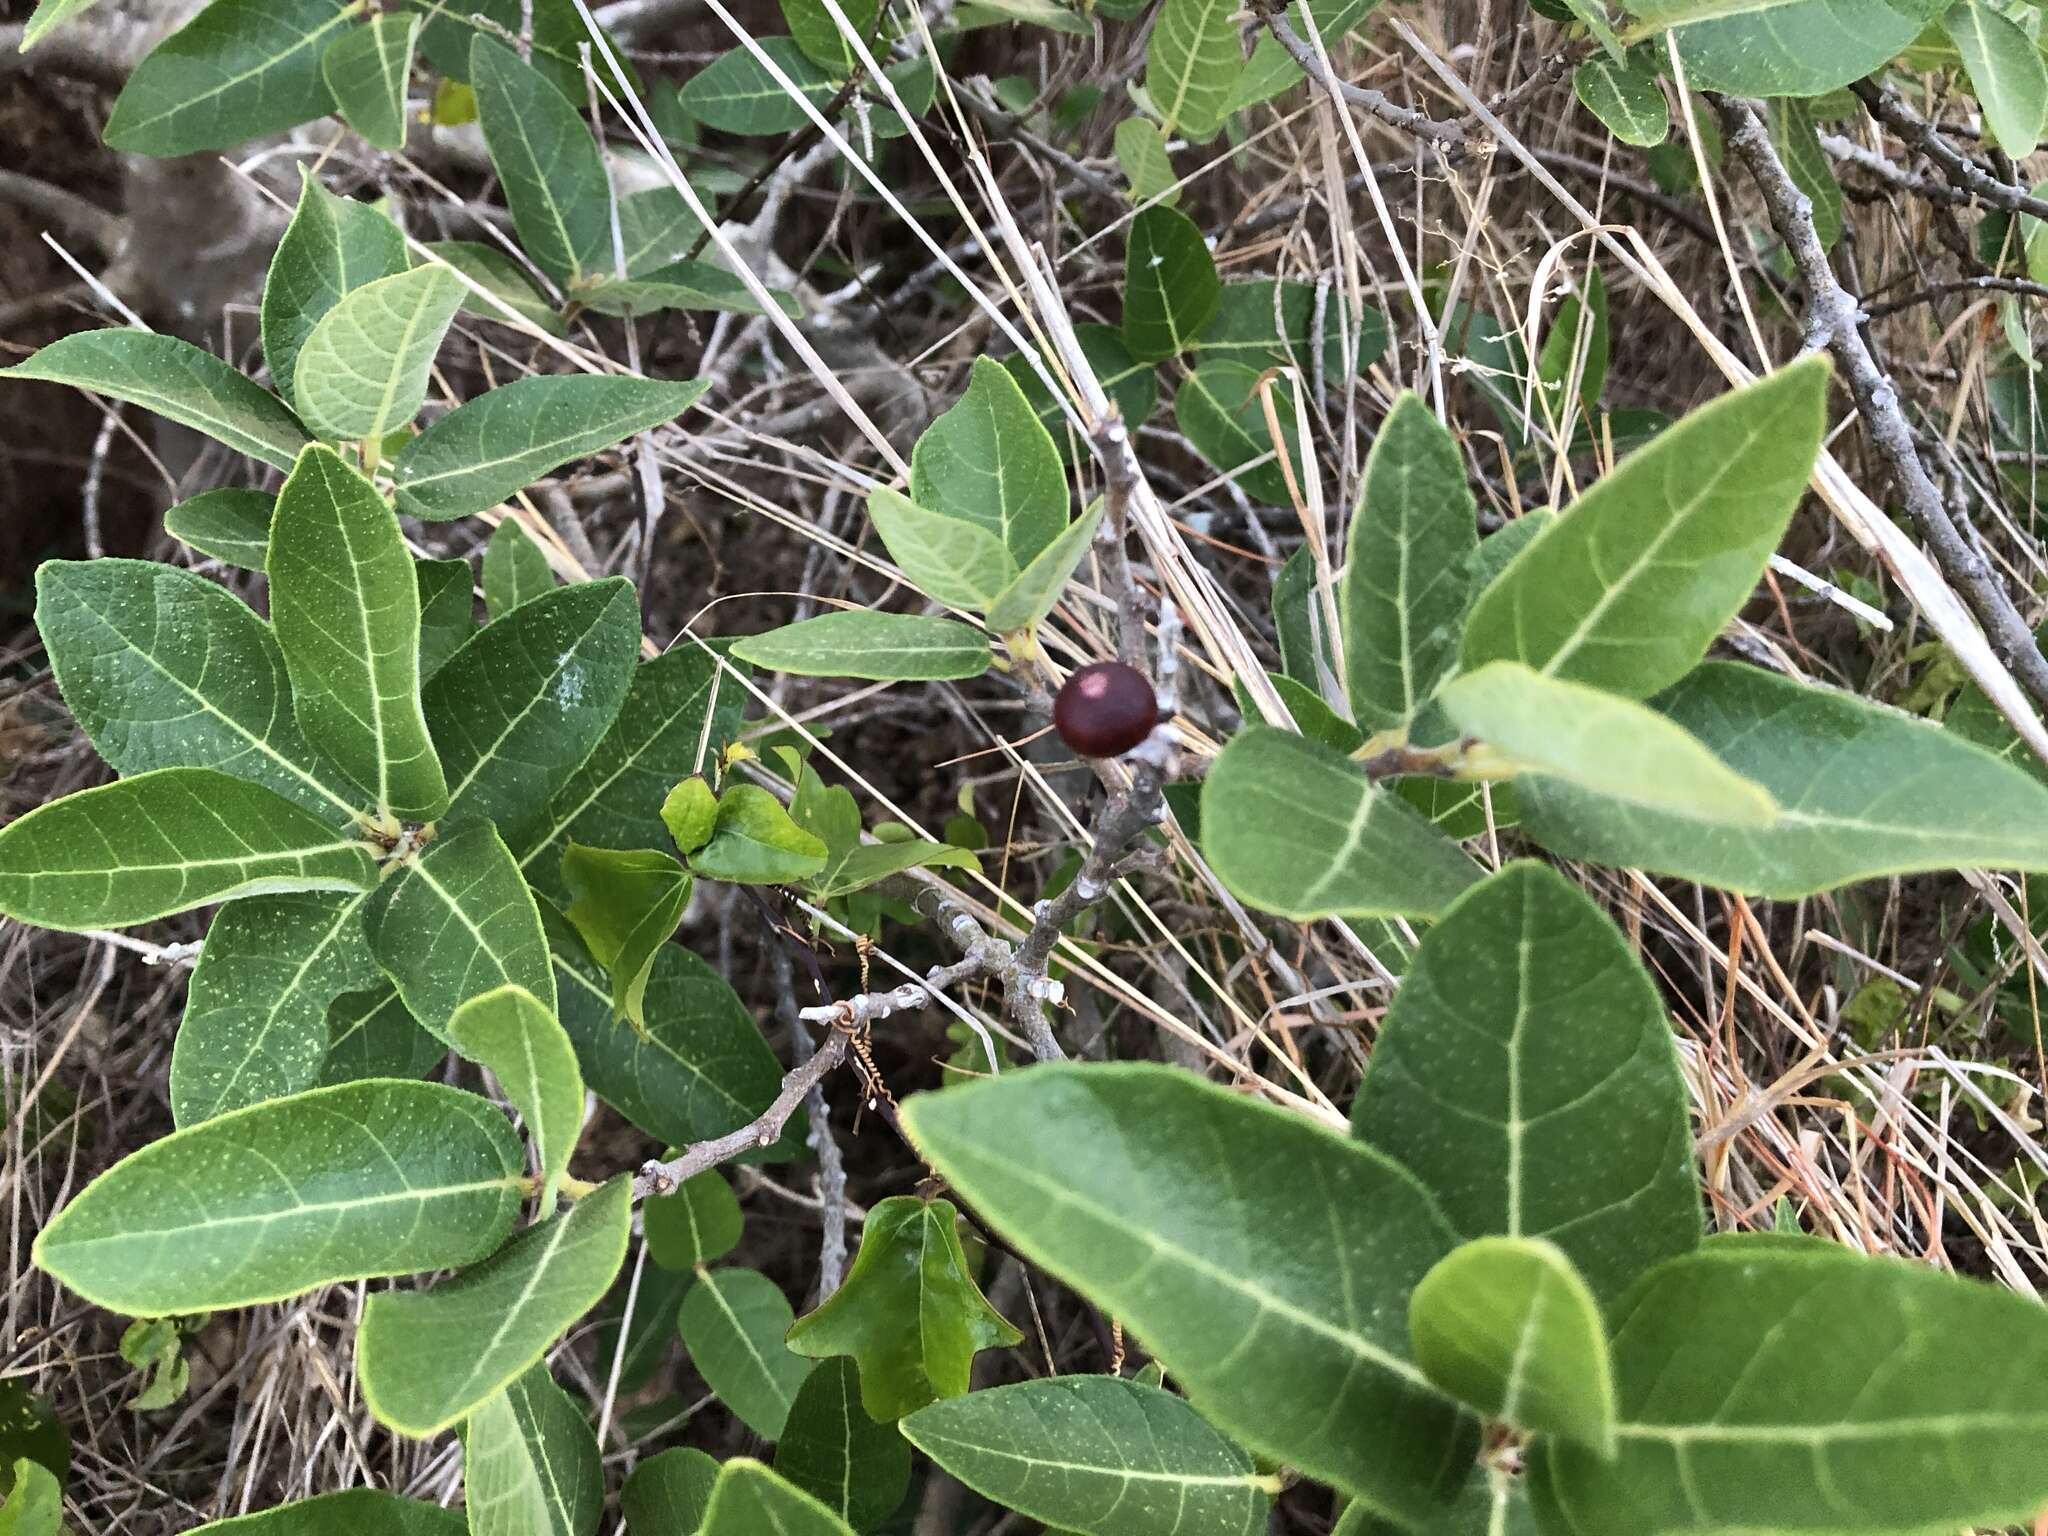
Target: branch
point(1933, 291)
point(1832, 320)
point(1452, 140)
point(1963, 173)
point(69, 214)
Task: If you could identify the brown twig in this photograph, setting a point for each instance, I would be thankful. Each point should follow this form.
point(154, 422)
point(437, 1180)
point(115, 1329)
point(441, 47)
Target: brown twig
point(1833, 320)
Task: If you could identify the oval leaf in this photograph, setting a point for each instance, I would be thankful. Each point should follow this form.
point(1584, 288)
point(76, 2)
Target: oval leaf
point(1627, 589)
point(1526, 1016)
point(347, 1183)
point(949, 559)
point(748, 1499)
point(733, 1322)
point(345, 602)
point(855, 1466)
point(332, 247)
point(989, 461)
point(1038, 586)
point(1108, 1177)
point(426, 1358)
point(366, 69)
point(163, 842)
point(1097, 1456)
point(886, 647)
point(1506, 1325)
point(1295, 828)
point(362, 373)
point(554, 177)
point(1170, 283)
point(513, 1033)
point(505, 439)
point(229, 525)
point(529, 1463)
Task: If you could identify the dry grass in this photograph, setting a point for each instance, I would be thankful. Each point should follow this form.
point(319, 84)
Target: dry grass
point(1896, 1144)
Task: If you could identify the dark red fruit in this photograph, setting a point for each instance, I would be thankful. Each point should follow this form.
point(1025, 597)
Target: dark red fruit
point(1104, 710)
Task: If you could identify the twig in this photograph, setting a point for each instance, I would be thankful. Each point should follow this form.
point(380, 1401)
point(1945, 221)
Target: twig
point(71, 215)
point(831, 1165)
point(1889, 108)
point(1933, 291)
point(662, 1178)
point(1452, 140)
point(1832, 320)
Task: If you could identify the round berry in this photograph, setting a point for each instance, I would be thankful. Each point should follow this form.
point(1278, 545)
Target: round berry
point(1105, 709)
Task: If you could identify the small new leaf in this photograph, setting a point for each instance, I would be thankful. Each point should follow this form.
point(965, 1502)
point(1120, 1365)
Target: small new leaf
point(517, 1037)
point(909, 1313)
point(624, 905)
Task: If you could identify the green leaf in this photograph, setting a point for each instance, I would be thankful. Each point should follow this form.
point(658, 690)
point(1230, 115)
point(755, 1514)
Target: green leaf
point(516, 1036)
point(558, 32)
point(526, 699)
point(1163, 1199)
point(1795, 132)
point(177, 381)
point(481, 452)
point(347, 1183)
point(698, 1224)
point(887, 647)
point(735, 94)
point(426, 1358)
point(988, 461)
point(733, 1322)
point(530, 1465)
point(1781, 1384)
point(1628, 588)
point(699, 1069)
point(165, 669)
point(680, 711)
point(35, 1504)
point(1784, 47)
point(366, 68)
point(1270, 323)
point(1219, 410)
point(237, 70)
point(346, 605)
point(255, 1023)
point(1492, 1503)
point(1038, 587)
point(228, 525)
point(749, 1500)
point(1405, 587)
point(457, 921)
point(690, 813)
point(1192, 64)
point(48, 16)
point(164, 842)
point(909, 1313)
point(668, 1492)
point(1097, 1456)
point(348, 1513)
point(1132, 386)
point(657, 228)
point(333, 246)
point(507, 281)
point(686, 285)
point(2006, 72)
point(753, 842)
point(1506, 1325)
point(362, 373)
point(554, 177)
point(1626, 97)
point(1575, 350)
point(447, 610)
point(1525, 1017)
point(624, 905)
point(373, 1034)
point(1292, 827)
point(949, 559)
point(515, 569)
point(818, 35)
point(1862, 791)
point(1601, 743)
point(830, 1448)
point(1141, 151)
point(1170, 285)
